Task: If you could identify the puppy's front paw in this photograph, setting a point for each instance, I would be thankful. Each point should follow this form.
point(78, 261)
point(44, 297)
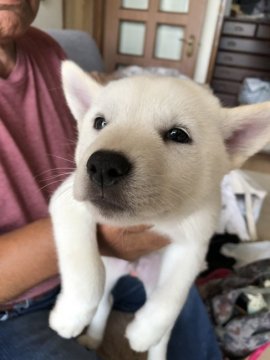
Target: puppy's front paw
point(69, 317)
point(143, 333)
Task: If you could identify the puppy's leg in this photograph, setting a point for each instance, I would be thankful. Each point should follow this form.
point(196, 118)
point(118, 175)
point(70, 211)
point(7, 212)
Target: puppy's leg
point(179, 268)
point(181, 262)
point(81, 268)
point(114, 269)
point(95, 332)
point(159, 351)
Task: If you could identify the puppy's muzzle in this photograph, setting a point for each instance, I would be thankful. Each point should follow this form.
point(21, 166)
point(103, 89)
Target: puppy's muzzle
point(107, 168)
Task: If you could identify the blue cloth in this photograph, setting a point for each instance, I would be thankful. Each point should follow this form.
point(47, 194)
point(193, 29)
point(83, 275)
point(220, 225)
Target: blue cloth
point(25, 335)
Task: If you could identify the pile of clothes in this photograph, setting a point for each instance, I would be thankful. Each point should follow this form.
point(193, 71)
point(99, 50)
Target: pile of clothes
point(236, 284)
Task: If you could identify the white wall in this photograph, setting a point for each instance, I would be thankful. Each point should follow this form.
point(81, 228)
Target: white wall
point(207, 39)
point(50, 15)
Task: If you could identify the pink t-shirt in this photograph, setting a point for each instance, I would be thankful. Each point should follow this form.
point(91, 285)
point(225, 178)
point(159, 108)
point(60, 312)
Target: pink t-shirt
point(36, 135)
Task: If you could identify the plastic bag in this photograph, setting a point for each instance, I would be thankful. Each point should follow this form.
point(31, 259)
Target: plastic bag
point(254, 91)
point(242, 201)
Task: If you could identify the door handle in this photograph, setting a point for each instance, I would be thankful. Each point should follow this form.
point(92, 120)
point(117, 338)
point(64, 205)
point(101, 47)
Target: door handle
point(190, 46)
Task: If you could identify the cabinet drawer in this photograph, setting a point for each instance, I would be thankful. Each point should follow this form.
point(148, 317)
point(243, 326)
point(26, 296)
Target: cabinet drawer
point(229, 87)
point(263, 31)
point(245, 45)
point(238, 28)
point(236, 74)
point(243, 60)
point(227, 100)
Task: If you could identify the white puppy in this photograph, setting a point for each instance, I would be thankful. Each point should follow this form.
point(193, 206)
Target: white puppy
point(153, 151)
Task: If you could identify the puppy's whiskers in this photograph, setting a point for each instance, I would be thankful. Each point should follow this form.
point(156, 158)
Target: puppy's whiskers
point(62, 158)
point(62, 176)
point(58, 181)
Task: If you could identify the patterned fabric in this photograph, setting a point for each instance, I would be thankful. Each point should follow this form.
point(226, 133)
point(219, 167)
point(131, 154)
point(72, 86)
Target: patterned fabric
point(225, 306)
point(229, 301)
point(243, 335)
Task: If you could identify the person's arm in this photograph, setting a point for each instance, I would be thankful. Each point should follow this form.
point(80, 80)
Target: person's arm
point(28, 256)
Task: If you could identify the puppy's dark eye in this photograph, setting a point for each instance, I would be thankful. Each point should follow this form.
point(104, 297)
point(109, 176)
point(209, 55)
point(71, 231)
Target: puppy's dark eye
point(100, 123)
point(179, 135)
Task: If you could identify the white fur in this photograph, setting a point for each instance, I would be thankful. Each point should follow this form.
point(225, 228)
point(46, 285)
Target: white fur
point(174, 187)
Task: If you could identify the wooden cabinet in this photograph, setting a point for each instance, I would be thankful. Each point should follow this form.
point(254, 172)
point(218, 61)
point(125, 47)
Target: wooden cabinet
point(243, 51)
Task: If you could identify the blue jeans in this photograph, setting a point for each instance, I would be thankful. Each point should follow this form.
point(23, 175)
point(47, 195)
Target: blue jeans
point(26, 335)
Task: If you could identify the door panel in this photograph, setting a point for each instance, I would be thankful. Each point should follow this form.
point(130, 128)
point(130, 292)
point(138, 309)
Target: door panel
point(153, 33)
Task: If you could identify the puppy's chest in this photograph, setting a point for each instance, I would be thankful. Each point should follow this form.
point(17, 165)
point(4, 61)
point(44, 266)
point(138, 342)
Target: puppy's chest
point(146, 268)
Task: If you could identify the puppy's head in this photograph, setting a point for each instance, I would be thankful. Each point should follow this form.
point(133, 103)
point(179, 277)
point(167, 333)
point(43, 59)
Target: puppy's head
point(152, 147)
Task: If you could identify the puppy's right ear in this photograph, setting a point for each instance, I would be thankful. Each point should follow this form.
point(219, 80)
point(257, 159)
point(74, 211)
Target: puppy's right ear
point(79, 89)
point(246, 131)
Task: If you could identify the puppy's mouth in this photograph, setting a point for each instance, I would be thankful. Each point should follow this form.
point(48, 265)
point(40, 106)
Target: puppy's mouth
point(106, 205)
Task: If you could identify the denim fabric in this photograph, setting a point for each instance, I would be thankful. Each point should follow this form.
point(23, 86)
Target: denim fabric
point(193, 336)
point(29, 306)
point(26, 336)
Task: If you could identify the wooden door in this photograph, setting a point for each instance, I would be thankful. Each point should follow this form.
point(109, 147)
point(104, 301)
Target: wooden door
point(153, 33)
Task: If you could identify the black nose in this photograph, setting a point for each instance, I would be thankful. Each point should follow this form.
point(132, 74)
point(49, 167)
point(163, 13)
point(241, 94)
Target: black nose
point(107, 168)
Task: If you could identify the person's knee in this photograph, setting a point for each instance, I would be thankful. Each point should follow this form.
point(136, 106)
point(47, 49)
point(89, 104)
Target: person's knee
point(28, 337)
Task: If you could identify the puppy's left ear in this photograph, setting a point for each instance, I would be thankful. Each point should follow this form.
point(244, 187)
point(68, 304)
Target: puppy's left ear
point(246, 130)
point(79, 89)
